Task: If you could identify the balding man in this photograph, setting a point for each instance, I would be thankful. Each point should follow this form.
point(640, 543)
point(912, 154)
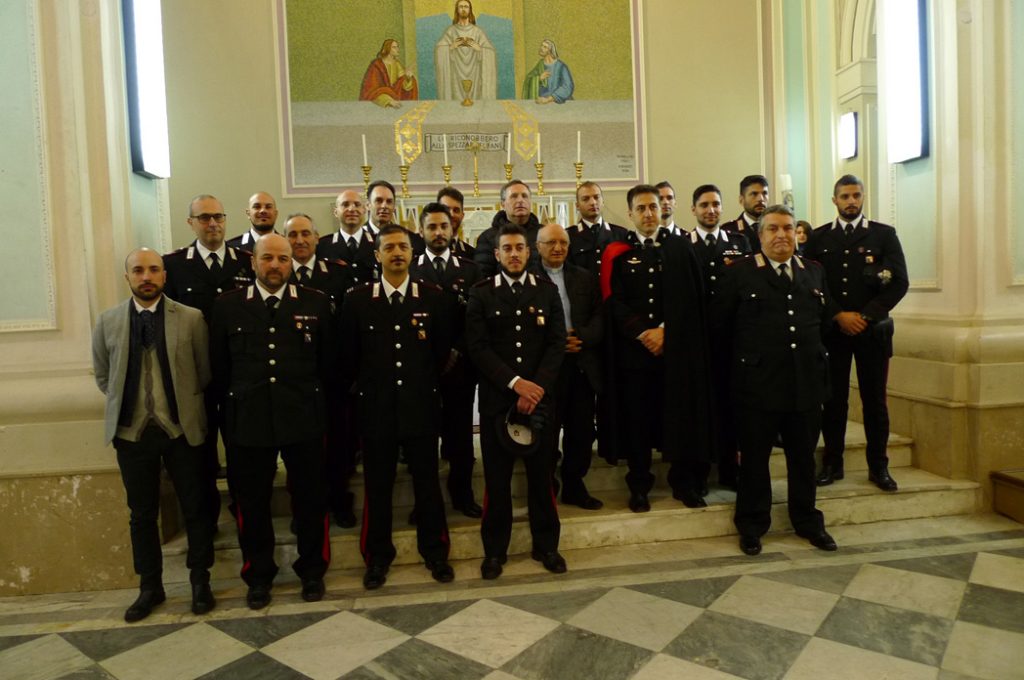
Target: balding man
point(150, 357)
point(262, 214)
point(580, 378)
point(515, 209)
point(589, 238)
point(351, 243)
point(272, 348)
point(196, 275)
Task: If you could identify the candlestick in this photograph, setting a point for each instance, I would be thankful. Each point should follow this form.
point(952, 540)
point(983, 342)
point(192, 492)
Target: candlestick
point(508, 172)
point(445, 138)
point(540, 176)
point(508, 150)
point(578, 136)
point(475, 148)
point(365, 160)
point(404, 170)
point(367, 169)
point(447, 170)
point(538, 149)
point(579, 173)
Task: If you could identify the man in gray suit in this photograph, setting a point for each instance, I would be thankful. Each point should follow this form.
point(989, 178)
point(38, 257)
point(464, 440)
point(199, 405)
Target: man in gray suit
point(151, 358)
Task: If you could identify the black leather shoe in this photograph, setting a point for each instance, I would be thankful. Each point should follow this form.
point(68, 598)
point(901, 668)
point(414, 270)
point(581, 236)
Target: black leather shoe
point(882, 479)
point(552, 561)
point(585, 501)
point(822, 541)
point(490, 568)
point(202, 599)
point(638, 502)
point(375, 577)
point(143, 605)
point(441, 571)
point(750, 545)
point(689, 498)
point(346, 519)
point(829, 474)
point(470, 509)
point(258, 596)
point(313, 589)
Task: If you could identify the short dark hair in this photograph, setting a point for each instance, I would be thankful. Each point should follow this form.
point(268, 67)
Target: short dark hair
point(752, 179)
point(639, 189)
point(588, 184)
point(664, 184)
point(452, 193)
point(703, 189)
point(504, 189)
point(846, 180)
point(434, 208)
point(777, 209)
point(511, 229)
point(380, 183)
point(389, 229)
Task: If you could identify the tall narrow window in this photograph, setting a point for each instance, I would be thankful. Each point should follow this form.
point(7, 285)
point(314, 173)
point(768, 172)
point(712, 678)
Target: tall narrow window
point(904, 71)
point(147, 98)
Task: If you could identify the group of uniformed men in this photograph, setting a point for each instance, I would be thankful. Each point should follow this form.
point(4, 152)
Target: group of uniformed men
point(709, 345)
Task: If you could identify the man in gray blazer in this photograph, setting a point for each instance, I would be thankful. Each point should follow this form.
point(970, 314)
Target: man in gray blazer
point(151, 358)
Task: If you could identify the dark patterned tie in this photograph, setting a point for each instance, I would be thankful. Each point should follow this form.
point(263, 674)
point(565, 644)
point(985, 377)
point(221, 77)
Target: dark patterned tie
point(148, 321)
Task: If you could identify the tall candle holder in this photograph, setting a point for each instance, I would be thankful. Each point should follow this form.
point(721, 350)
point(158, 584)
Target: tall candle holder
point(367, 169)
point(540, 178)
point(579, 173)
point(475, 148)
point(404, 170)
point(447, 170)
point(508, 172)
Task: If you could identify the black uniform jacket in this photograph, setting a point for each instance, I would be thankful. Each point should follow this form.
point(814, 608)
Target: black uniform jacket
point(394, 355)
point(270, 372)
point(587, 320)
point(866, 273)
point(778, 360)
point(330, 277)
point(487, 242)
point(740, 227)
point(244, 241)
point(509, 335)
point(587, 244)
point(361, 260)
point(459, 276)
point(645, 288)
point(713, 259)
point(190, 281)
point(463, 249)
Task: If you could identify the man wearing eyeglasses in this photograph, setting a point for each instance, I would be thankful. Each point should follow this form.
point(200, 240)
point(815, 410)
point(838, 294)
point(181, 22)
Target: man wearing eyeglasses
point(196, 275)
point(262, 214)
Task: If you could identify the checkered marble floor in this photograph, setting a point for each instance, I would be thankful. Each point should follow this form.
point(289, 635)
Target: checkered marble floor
point(935, 598)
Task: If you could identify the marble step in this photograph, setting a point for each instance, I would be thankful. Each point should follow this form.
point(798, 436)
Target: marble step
point(602, 480)
point(850, 501)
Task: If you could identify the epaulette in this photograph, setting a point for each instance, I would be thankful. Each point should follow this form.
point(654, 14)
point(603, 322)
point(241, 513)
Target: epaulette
point(759, 258)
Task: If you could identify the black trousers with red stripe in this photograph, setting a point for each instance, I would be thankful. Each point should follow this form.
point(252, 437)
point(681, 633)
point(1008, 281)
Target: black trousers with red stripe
point(380, 460)
point(496, 527)
point(251, 473)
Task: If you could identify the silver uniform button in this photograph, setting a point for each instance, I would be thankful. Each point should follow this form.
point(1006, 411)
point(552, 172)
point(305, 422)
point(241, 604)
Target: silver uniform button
point(398, 345)
point(650, 301)
point(272, 346)
point(845, 293)
point(793, 346)
point(714, 278)
point(519, 360)
point(792, 329)
point(273, 362)
point(398, 382)
point(519, 344)
point(791, 312)
point(650, 316)
point(397, 327)
point(789, 297)
point(519, 312)
point(273, 330)
point(273, 379)
point(219, 290)
point(398, 364)
point(519, 328)
point(845, 265)
point(651, 270)
point(650, 285)
point(844, 279)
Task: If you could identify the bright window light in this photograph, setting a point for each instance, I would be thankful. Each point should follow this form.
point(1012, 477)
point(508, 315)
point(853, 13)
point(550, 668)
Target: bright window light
point(147, 98)
point(848, 135)
point(904, 78)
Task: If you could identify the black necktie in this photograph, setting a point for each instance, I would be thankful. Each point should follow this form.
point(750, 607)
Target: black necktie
point(352, 242)
point(517, 287)
point(849, 230)
point(439, 266)
point(396, 298)
point(148, 328)
point(215, 263)
point(303, 274)
point(710, 240)
point(783, 270)
point(648, 242)
point(271, 304)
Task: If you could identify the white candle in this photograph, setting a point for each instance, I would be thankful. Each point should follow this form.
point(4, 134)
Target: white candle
point(445, 138)
point(578, 136)
point(785, 182)
point(508, 148)
point(365, 161)
point(538, 148)
point(401, 154)
point(551, 205)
